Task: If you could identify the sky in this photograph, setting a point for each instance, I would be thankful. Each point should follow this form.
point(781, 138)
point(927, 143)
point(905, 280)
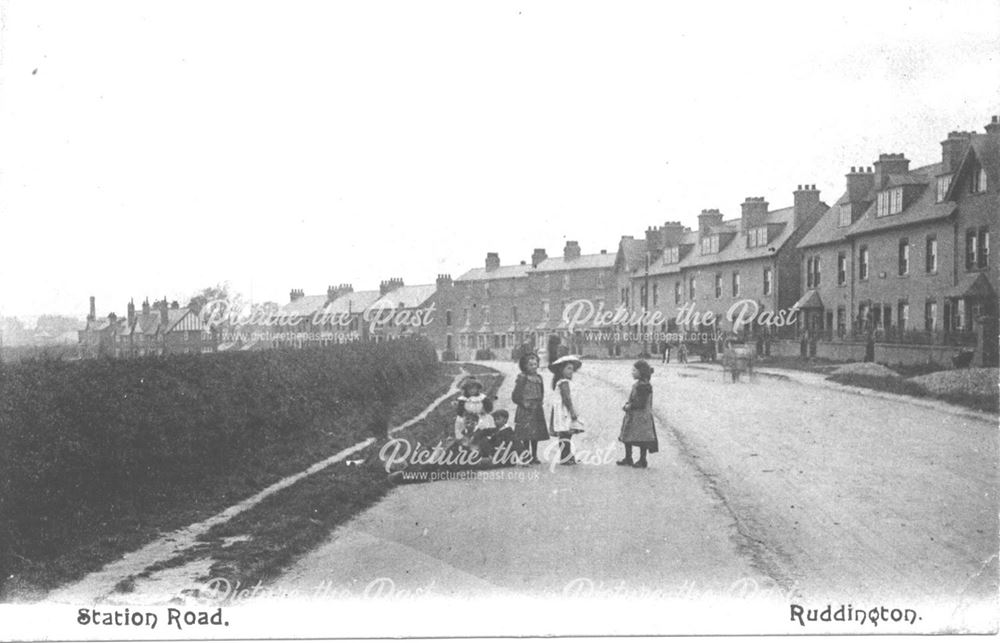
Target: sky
point(151, 149)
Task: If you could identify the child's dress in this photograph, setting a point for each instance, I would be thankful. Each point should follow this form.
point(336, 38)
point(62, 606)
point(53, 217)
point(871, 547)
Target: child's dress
point(529, 419)
point(473, 410)
point(560, 419)
point(638, 427)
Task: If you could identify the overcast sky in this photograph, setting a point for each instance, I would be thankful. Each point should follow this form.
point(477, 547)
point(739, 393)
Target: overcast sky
point(154, 148)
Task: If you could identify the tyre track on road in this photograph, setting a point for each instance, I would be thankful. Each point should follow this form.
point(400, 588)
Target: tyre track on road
point(748, 536)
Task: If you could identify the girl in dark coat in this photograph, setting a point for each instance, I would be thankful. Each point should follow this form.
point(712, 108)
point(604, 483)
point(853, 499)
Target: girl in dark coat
point(638, 427)
point(529, 419)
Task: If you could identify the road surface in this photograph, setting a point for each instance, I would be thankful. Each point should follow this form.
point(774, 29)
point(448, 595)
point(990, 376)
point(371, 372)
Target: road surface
point(766, 492)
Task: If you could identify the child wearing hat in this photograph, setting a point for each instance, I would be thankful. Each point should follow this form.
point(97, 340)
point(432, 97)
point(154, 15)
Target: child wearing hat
point(564, 419)
point(638, 427)
point(529, 418)
point(473, 409)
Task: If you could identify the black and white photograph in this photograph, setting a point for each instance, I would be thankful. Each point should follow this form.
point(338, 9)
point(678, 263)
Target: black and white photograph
point(439, 319)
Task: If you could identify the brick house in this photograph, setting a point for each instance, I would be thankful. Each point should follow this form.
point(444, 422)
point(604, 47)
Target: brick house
point(404, 311)
point(903, 257)
point(487, 308)
point(159, 329)
point(725, 264)
point(554, 282)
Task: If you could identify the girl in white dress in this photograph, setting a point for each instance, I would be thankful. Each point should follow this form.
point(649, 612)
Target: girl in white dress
point(564, 421)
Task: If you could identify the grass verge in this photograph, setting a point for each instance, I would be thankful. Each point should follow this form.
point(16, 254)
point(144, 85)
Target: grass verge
point(109, 540)
point(901, 386)
point(258, 544)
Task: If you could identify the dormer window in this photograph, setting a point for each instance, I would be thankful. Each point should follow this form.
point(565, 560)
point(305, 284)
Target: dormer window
point(845, 216)
point(889, 202)
point(943, 183)
point(978, 181)
point(757, 237)
point(672, 254)
point(710, 245)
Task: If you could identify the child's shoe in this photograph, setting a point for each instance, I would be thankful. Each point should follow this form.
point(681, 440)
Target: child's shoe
point(625, 462)
point(641, 464)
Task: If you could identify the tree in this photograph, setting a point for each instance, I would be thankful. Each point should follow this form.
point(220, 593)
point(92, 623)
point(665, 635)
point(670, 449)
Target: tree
point(212, 293)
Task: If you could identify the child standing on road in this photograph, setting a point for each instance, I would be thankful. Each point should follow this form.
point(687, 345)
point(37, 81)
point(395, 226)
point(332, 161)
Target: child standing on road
point(638, 427)
point(529, 419)
point(564, 421)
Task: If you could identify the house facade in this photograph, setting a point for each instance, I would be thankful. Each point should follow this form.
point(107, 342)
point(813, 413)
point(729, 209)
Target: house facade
point(735, 275)
point(902, 259)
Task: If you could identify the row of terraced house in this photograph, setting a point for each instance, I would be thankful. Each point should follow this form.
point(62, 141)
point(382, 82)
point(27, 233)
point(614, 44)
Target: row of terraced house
point(900, 259)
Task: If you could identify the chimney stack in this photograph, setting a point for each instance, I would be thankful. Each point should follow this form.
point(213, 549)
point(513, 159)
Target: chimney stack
point(131, 313)
point(806, 198)
point(708, 218)
point(654, 239)
point(888, 165)
point(994, 126)
point(93, 309)
point(953, 149)
point(164, 315)
point(295, 294)
point(571, 251)
point(754, 212)
point(444, 281)
point(492, 261)
point(145, 307)
point(672, 232)
point(389, 285)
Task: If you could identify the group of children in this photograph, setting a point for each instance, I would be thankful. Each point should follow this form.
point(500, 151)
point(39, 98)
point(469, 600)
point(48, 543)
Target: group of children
point(480, 429)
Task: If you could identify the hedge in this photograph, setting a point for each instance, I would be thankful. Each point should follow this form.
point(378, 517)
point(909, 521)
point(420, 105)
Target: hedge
point(102, 440)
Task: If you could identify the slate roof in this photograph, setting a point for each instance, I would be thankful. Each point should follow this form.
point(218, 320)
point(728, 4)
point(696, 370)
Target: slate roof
point(781, 222)
point(971, 285)
point(406, 297)
point(353, 302)
point(688, 245)
point(984, 148)
point(174, 316)
point(306, 305)
point(827, 229)
point(583, 262)
point(631, 254)
point(502, 272)
point(923, 209)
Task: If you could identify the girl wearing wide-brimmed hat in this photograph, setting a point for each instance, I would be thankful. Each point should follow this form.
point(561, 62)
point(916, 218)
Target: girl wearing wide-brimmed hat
point(638, 427)
point(564, 421)
point(529, 419)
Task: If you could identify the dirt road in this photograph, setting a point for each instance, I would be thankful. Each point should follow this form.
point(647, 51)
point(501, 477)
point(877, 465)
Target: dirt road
point(768, 493)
